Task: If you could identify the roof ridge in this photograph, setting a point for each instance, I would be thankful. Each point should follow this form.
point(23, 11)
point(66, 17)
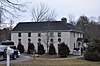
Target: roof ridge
point(40, 22)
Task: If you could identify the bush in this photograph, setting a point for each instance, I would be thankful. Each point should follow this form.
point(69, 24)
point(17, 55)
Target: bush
point(91, 56)
point(30, 48)
point(63, 50)
point(52, 50)
point(67, 50)
point(20, 47)
point(93, 51)
point(41, 49)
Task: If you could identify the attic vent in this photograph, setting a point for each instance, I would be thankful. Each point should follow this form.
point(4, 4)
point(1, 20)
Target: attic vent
point(64, 19)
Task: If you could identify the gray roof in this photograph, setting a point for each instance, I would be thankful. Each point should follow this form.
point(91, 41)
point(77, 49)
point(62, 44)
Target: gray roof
point(44, 26)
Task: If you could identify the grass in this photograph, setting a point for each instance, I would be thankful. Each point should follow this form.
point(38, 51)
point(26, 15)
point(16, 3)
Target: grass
point(50, 62)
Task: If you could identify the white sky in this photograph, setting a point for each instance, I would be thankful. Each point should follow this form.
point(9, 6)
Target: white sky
point(65, 7)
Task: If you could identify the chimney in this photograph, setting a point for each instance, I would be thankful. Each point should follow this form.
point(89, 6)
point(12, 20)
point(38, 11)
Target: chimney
point(64, 19)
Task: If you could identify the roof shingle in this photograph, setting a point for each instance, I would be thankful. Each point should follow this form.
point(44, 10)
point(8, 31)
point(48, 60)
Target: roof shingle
point(43, 26)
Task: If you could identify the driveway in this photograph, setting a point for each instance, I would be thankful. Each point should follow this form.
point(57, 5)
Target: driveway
point(20, 59)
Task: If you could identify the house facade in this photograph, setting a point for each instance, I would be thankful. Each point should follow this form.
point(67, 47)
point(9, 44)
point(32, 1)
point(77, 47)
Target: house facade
point(33, 31)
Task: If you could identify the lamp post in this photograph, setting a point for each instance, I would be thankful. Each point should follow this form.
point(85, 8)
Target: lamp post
point(9, 52)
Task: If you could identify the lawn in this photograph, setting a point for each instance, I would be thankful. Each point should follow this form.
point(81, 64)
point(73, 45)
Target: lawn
point(52, 62)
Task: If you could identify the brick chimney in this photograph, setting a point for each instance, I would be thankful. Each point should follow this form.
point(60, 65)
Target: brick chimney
point(64, 19)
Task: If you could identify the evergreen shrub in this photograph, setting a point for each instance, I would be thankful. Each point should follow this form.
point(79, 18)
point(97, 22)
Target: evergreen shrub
point(30, 48)
point(63, 50)
point(93, 51)
point(41, 49)
point(20, 47)
point(52, 50)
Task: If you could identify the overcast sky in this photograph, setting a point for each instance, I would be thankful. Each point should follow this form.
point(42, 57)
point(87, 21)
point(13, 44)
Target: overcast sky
point(65, 7)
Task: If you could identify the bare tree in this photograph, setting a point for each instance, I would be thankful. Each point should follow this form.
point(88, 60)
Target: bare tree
point(11, 24)
point(72, 19)
point(1, 19)
point(92, 18)
point(98, 19)
point(42, 13)
point(10, 9)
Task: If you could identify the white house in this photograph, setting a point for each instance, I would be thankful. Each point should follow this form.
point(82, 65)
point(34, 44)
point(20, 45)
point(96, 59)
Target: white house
point(45, 31)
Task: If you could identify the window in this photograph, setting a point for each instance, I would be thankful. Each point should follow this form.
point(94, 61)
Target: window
point(29, 39)
point(51, 34)
point(59, 40)
point(19, 39)
point(79, 44)
point(39, 39)
point(39, 34)
point(19, 34)
point(59, 34)
point(74, 45)
point(29, 34)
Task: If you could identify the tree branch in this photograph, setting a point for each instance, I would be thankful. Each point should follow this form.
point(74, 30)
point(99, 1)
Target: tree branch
point(42, 13)
point(12, 2)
